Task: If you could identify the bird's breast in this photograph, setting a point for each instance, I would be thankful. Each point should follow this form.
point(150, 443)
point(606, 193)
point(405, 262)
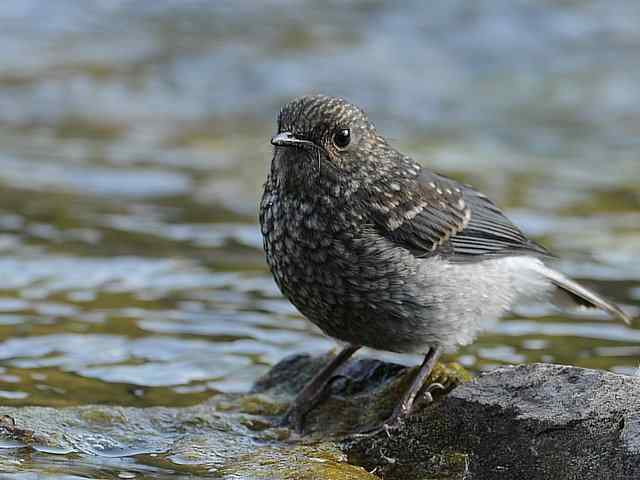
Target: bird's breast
point(305, 240)
point(326, 260)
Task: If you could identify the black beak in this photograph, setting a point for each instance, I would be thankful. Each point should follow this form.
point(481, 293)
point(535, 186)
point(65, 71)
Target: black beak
point(287, 139)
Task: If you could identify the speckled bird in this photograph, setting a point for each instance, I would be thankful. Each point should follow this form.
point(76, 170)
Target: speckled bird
point(378, 251)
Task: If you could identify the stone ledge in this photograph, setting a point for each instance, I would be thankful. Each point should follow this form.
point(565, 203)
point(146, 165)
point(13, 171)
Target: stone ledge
point(535, 421)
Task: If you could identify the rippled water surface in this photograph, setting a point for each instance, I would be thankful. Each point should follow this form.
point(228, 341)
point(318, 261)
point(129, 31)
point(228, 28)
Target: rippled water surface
point(134, 142)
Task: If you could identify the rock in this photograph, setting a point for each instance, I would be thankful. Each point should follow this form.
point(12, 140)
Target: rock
point(536, 421)
point(532, 421)
point(226, 437)
point(363, 394)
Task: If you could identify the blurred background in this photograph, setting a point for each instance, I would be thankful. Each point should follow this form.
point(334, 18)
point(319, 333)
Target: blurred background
point(134, 140)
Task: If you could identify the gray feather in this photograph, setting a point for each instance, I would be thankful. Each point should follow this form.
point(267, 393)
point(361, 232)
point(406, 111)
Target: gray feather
point(581, 295)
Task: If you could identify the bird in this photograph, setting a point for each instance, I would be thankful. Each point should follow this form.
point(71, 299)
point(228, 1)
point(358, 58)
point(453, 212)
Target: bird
point(380, 252)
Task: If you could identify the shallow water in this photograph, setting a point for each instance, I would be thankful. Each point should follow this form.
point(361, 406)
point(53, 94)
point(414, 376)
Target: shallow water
point(134, 141)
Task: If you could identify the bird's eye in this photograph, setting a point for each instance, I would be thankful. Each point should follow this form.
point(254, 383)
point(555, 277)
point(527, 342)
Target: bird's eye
point(342, 138)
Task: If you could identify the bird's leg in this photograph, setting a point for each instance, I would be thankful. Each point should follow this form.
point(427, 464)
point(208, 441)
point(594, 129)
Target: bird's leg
point(313, 391)
point(405, 406)
point(406, 403)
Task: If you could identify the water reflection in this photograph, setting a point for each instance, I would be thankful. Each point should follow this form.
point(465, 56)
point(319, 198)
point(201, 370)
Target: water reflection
point(134, 141)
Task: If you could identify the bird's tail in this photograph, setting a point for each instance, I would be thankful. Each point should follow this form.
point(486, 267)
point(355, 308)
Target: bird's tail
point(576, 294)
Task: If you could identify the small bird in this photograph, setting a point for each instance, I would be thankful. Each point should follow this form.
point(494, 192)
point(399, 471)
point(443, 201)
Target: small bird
point(378, 251)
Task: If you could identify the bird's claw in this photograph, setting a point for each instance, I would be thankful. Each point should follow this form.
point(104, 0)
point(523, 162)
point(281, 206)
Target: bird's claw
point(397, 418)
point(427, 396)
point(387, 427)
point(293, 418)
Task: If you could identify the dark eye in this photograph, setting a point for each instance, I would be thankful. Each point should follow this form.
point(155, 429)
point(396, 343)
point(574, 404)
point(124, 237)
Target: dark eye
point(342, 138)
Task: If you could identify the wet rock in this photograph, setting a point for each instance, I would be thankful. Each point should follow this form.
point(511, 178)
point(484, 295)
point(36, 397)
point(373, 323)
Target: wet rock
point(227, 437)
point(533, 421)
point(362, 395)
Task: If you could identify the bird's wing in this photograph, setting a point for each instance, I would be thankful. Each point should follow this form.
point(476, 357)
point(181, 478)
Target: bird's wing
point(435, 214)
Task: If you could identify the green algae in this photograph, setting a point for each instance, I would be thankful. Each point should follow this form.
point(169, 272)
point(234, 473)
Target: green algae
point(257, 404)
point(323, 461)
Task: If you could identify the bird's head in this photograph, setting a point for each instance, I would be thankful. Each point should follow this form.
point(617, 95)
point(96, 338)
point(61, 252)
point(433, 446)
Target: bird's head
point(326, 140)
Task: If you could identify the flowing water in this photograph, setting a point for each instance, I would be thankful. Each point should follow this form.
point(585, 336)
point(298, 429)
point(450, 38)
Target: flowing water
point(134, 139)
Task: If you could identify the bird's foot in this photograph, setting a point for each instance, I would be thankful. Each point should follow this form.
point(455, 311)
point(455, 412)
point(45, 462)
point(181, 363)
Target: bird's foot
point(426, 396)
point(314, 391)
point(388, 426)
point(403, 410)
point(293, 418)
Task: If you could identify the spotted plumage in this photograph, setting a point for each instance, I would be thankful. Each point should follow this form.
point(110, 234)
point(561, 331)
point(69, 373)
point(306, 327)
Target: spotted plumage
point(378, 251)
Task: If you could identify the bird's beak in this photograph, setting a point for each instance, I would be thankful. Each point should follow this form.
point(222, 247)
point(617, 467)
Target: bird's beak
point(287, 139)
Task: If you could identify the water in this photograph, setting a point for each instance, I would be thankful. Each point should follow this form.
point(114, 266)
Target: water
point(134, 141)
